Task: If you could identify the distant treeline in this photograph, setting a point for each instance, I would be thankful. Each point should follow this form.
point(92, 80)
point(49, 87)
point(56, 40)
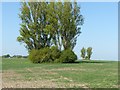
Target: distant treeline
point(14, 56)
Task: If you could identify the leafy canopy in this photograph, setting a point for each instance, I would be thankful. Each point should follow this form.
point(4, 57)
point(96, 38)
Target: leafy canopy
point(46, 24)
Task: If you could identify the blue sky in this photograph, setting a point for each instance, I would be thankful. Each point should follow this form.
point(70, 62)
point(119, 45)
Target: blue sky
point(100, 29)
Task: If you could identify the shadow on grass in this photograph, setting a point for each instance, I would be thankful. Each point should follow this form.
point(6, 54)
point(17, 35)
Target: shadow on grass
point(94, 61)
point(91, 61)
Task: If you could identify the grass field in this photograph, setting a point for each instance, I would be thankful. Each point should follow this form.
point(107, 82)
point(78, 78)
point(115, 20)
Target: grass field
point(88, 74)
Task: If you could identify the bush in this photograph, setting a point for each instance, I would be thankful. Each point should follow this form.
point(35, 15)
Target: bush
point(33, 56)
point(52, 54)
point(67, 56)
point(40, 56)
point(44, 55)
point(55, 53)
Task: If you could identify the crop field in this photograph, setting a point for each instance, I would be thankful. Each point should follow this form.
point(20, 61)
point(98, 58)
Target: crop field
point(21, 73)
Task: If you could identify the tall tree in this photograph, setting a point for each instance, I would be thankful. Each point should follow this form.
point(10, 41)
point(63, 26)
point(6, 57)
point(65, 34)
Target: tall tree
point(89, 52)
point(32, 31)
point(53, 26)
point(83, 53)
point(71, 22)
point(49, 23)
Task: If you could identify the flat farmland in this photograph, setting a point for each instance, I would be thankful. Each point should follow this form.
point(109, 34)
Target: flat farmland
point(21, 73)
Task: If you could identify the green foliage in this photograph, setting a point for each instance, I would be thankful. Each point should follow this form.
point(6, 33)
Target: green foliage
point(32, 30)
point(52, 55)
point(34, 56)
point(89, 52)
point(86, 57)
point(55, 53)
point(83, 53)
point(71, 22)
point(6, 56)
point(45, 24)
point(40, 56)
point(17, 56)
point(67, 56)
point(44, 55)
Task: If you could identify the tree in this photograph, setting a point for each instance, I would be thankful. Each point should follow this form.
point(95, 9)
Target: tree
point(89, 52)
point(83, 53)
point(53, 27)
point(70, 21)
point(6, 56)
point(32, 31)
point(17, 56)
point(45, 24)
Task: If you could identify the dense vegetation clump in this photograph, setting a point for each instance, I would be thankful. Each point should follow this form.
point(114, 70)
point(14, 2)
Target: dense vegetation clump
point(67, 56)
point(52, 55)
point(55, 53)
point(40, 56)
point(44, 55)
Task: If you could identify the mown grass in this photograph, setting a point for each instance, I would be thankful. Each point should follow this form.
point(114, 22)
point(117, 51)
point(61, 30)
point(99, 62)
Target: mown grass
point(88, 74)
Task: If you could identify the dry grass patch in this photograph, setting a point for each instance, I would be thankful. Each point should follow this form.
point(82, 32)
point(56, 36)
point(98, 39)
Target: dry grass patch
point(29, 84)
point(10, 75)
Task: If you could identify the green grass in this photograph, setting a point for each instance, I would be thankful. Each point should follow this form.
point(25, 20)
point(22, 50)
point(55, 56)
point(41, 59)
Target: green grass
point(91, 74)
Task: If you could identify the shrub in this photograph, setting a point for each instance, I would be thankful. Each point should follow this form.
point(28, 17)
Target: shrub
point(52, 54)
point(45, 54)
point(40, 56)
point(57, 61)
point(33, 56)
point(67, 56)
point(55, 53)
